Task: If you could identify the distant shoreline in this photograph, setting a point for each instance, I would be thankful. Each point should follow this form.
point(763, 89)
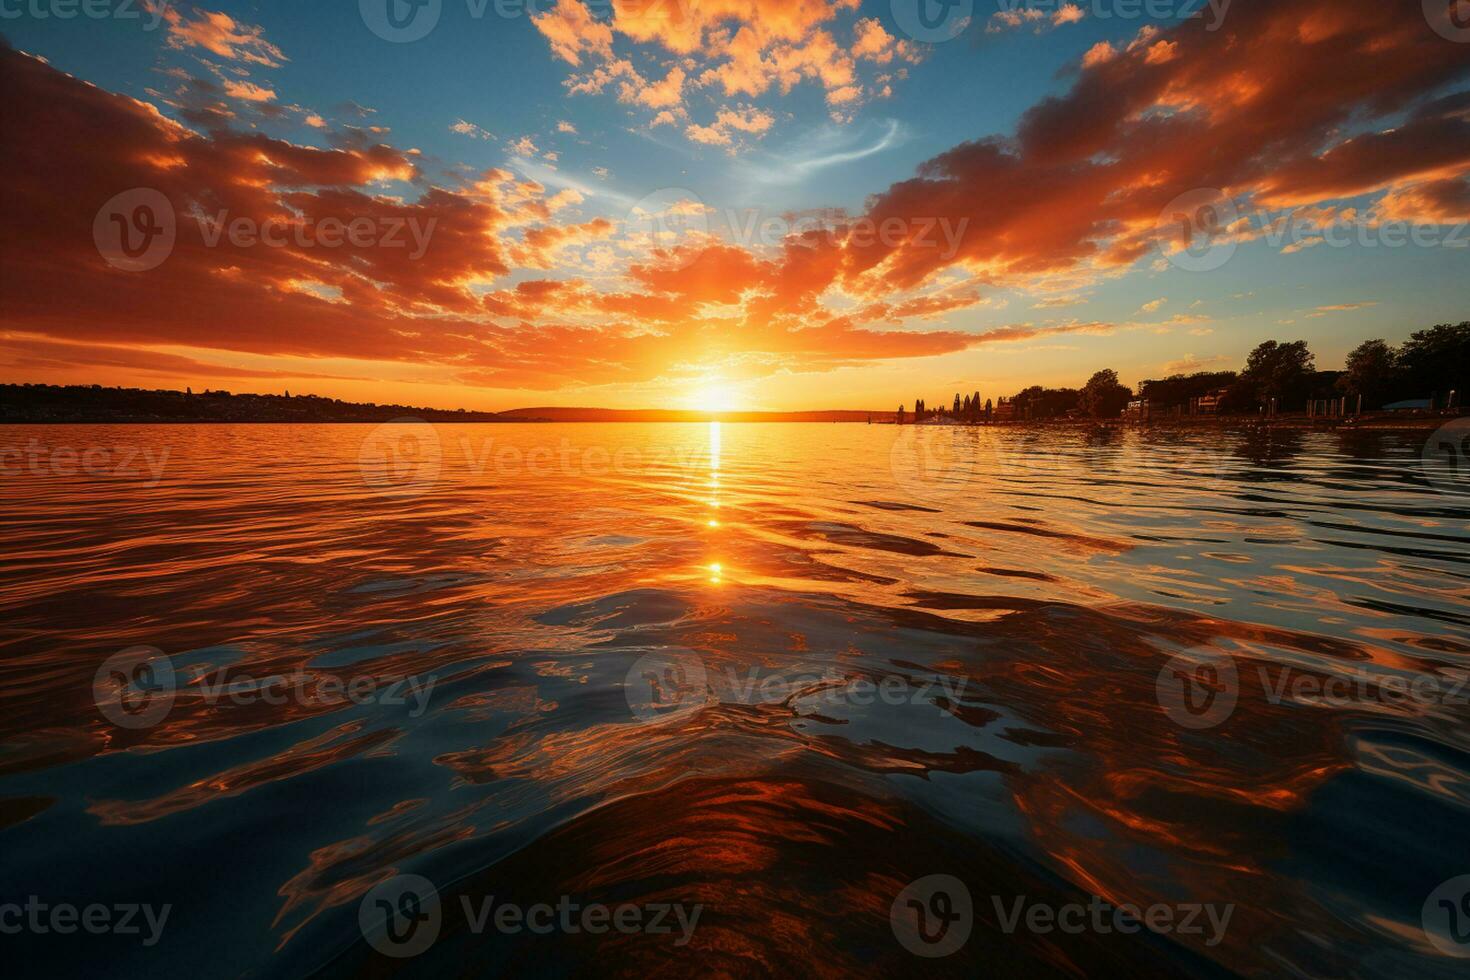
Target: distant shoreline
point(1376, 423)
point(97, 405)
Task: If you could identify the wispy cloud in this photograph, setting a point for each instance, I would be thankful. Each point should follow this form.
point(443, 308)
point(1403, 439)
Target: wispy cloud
point(826, 147)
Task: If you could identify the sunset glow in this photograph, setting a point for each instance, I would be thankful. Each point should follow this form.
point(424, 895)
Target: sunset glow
point(850, 489)
point(821, 198)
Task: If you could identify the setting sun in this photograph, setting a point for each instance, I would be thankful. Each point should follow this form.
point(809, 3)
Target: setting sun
point(715, 396)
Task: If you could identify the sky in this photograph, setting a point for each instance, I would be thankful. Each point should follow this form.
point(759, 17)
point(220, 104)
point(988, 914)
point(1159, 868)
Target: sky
point(720, 204)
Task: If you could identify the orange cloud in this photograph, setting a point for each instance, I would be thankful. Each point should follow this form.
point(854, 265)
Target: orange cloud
point(735, 47)
point(219, 34)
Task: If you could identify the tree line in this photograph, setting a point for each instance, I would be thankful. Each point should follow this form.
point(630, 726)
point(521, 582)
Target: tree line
point(1429, 365)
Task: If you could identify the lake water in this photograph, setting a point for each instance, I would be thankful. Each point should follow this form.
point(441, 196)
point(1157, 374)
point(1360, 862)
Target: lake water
point(796, 676)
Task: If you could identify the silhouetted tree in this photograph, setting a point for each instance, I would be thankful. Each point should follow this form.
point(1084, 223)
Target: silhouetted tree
point(1104, 397)
point(1372, 372)
point(1280, 371)
point(1436, 361)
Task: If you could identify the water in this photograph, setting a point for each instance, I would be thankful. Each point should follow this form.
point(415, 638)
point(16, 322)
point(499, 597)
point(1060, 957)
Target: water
point(779, 672)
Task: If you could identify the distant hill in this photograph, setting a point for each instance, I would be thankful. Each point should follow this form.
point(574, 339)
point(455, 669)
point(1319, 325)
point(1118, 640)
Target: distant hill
point(98, 404)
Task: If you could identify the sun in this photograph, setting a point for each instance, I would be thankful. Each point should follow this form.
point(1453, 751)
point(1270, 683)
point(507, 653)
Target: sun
point(715, 396)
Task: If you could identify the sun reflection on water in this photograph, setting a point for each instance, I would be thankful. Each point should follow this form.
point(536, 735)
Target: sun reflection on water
point(716, 569)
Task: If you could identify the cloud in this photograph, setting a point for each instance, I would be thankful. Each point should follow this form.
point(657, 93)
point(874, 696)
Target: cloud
point(249, 91)
point(573, 32)
point(1190, 364)
point(1080, 186)
point(728, 49)
point(1035, 17)
point(728, 122)
point(465, 128)
point(219, 34)
point(1322, 311)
